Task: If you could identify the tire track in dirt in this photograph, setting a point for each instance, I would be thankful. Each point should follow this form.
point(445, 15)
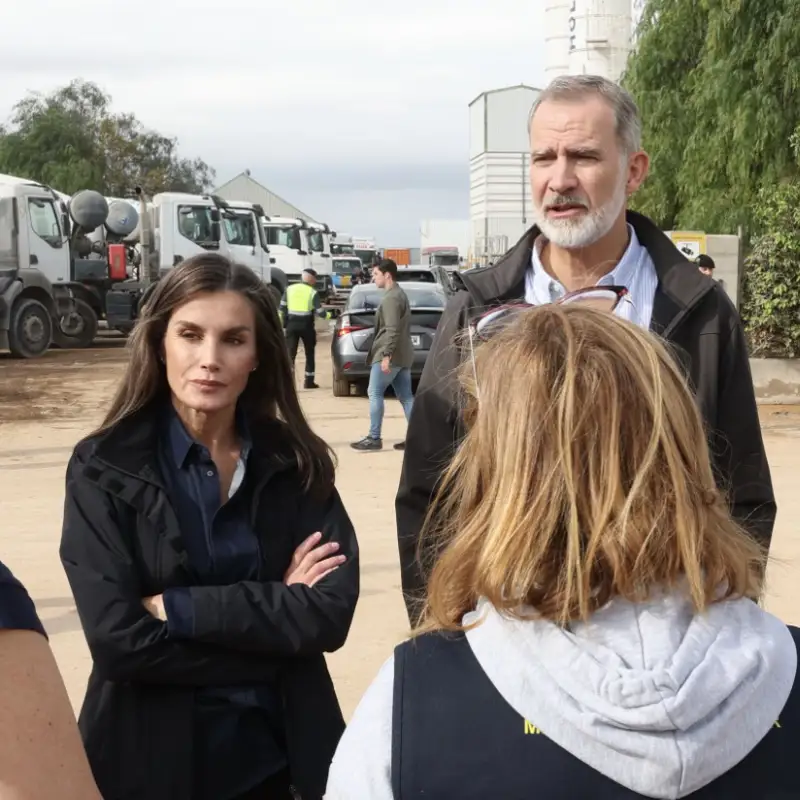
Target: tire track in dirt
point(62, 384)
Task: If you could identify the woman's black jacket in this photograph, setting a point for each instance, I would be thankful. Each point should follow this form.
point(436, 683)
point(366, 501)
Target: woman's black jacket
point(121, 542)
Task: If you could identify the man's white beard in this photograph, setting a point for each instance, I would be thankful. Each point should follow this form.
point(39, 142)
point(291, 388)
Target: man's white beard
point(586, 229)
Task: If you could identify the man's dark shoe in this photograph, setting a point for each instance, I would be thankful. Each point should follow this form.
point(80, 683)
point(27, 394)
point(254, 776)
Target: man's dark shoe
point(309, 384)
point(368, 444)
point(400, 446)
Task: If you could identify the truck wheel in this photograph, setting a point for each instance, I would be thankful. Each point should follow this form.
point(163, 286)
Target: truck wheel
point(341, 387)
point(79, 329)
point(31, 329)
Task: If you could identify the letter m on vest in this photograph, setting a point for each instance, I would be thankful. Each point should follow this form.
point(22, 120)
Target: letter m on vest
point(531, 728)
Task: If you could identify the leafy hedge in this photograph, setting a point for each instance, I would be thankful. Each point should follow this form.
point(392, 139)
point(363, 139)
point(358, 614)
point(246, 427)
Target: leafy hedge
point(770, 304)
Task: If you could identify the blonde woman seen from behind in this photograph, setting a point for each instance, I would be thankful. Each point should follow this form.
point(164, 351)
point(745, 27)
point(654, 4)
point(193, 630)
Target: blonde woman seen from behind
point(589, 630)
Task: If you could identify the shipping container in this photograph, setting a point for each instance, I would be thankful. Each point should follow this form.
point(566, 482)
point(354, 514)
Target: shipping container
point(400, 256)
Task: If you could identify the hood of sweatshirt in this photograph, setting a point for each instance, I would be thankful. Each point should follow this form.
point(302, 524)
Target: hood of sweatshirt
point(657, 698)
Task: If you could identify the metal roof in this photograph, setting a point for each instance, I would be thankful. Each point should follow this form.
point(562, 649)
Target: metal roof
point(266, 197)
point(505, 89)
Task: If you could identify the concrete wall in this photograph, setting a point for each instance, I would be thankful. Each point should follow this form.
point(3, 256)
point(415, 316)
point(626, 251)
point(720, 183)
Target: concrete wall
point(776, 380)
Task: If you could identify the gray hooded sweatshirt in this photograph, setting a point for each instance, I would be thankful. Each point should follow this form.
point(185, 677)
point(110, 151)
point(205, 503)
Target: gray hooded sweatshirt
point(653, 696)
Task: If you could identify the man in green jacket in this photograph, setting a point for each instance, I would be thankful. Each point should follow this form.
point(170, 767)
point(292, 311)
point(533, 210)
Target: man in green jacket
point(391, 354)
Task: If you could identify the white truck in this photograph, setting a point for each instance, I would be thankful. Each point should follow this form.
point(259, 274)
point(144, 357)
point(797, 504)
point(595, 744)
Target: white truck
point(173, 227)
point(319, 247)
point(441, 256)
point(35, 261)
point(366, 249)
point(296, 245)
point(342, 244)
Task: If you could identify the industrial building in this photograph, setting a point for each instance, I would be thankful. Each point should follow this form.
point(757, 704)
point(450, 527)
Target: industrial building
point(499, 155)
point(244, 188)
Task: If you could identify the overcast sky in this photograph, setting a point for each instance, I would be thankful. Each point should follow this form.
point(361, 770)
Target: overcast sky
point(353, 110)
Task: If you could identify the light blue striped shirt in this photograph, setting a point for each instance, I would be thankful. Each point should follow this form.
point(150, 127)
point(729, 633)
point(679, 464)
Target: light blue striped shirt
point(635, 271)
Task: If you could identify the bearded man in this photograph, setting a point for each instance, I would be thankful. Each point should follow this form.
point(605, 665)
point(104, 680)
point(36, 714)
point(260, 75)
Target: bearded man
point(586, 162)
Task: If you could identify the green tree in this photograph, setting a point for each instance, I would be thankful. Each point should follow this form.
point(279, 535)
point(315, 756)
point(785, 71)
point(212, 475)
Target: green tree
point(661, 76)
point(771, 303)
point(717, 82)
point(71, 140)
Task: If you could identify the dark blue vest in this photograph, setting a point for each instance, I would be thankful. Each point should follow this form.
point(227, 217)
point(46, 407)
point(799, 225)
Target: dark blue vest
point(455, 737)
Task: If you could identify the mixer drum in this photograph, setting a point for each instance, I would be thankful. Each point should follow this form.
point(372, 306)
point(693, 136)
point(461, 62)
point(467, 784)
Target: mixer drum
point(88, 209)
point(122, 219)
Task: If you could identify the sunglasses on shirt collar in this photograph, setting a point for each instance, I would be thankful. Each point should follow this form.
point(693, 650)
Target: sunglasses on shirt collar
point(603, 298)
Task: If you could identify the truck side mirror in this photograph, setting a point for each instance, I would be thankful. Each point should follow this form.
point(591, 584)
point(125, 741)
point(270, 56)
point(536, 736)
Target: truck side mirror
point(66, 225)
point(216, 233)
point(215, 215)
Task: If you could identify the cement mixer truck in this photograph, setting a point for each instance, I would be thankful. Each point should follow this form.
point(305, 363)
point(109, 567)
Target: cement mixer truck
point(35, 282)
point(101, 255)
point(174, 226)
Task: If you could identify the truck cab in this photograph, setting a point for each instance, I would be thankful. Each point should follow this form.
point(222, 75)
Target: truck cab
point(342, 244)
point(184, 225)
point(247, 226)
point(35, 284)
point(288, 244)
point(346, 268)
point(366, 249)
point(446, 257)
point(319, 248)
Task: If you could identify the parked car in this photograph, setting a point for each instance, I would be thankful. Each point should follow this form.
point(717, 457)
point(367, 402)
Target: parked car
point(354, 332)
point(422, 274)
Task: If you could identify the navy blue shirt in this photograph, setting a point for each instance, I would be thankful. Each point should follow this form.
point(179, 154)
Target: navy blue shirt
point(239, 741)
point(17, 611)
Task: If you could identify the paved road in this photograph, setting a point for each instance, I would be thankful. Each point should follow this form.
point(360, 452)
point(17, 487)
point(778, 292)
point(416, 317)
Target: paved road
point(46, 405)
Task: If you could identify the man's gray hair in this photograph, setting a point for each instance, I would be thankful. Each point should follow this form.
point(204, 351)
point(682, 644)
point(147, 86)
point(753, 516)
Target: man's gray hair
point(568, 88)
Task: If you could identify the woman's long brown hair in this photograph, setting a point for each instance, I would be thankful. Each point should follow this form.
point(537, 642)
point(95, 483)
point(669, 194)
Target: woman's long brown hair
point(270, 393)
point(584, 476)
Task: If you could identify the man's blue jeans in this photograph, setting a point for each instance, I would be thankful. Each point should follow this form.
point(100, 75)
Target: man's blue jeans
point(379, 382)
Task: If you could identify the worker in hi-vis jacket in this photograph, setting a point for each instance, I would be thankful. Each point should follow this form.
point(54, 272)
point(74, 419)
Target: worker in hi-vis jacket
point(299, 308)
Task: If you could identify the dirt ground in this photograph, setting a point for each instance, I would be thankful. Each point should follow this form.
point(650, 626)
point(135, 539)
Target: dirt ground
point(46, 405)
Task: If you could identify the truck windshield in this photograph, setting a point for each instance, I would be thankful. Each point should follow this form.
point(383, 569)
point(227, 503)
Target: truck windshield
point(342, 249)
point(283, 237)
point(367, 257)
point(194, 222)
point(345, 266)
point(316, 242)
point(240, 229)
point(445, 260)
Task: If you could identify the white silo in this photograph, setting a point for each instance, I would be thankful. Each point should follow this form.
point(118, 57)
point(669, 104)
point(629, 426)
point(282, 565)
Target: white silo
point(556, 40)
point(499, 186)
point(599, 37)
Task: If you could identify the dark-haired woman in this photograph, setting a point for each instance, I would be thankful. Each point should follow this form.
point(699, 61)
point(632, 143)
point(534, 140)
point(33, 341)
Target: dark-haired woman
point(210, 557)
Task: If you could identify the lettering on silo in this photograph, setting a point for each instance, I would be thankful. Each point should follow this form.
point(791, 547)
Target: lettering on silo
point(573, 14)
